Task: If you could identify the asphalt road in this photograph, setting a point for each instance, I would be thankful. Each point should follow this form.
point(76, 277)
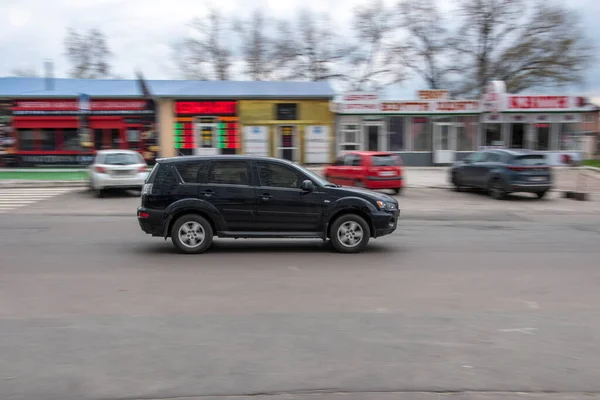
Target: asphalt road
point(502, 305)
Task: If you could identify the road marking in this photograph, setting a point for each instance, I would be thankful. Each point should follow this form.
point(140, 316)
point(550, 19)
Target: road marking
point(11, 199)
point(528, 331)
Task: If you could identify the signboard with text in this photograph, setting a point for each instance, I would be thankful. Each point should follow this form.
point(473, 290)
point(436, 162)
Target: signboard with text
point(205, 108)
point(432, 94)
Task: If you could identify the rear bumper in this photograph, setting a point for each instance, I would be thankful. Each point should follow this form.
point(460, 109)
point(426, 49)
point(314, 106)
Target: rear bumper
point(105, 181)
point(376, 182)
point(154, 223)
point(529, 187)
point(385, 222)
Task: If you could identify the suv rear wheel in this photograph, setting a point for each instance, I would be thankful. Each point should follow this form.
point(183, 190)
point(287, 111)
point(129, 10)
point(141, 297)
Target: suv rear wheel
point(350, 234)
point(192, 234)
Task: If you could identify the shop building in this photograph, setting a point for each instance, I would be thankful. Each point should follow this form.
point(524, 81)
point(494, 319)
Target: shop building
point(290, 120)
point(436, 130)
point(65, 121)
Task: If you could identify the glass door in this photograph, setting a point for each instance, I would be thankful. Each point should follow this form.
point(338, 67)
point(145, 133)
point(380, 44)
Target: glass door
point(206, 137)
point(287, 142)
point(444, 143)
point(372, 140)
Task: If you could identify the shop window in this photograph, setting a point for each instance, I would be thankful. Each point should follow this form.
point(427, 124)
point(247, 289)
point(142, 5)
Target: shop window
point(466, 134)
point(396, 130)
point(98, 139)
point(133, 138)
point(25, 138)
point(286, 112)
point(48, 139)
point(517, 136)
point(567, 137)
point(350, 138)
point(421, 134)
point(543, 137)
point(493, 135)
point(115, 139)
point(70, 139)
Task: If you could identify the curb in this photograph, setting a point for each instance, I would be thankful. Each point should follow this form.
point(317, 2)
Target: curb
point(11, 184)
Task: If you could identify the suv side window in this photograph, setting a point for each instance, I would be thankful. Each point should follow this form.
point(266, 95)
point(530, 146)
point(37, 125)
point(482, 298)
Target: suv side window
point(228, 173)
point(279, 176)
point(191, 172)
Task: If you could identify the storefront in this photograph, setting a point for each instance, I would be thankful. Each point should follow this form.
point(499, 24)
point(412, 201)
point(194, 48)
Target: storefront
point(553, 124)
point(434, 130)
point(297, 130)
point(206, 127)
point(428, 131)
point(66, 132)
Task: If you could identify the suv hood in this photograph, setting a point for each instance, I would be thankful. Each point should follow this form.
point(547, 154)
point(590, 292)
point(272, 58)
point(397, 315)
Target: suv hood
point(363, 193)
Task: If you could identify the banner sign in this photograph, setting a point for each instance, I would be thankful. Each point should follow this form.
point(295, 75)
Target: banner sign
point(78, 107)
point(205, 107)
point(316, 145)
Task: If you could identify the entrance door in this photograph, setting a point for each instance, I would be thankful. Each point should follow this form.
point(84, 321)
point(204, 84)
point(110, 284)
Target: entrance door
point(372, 137)
point(287, 142)
point(206, 137)
point(444, 143)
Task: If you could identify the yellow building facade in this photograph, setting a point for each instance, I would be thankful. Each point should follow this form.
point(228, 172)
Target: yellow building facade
point(298, 130)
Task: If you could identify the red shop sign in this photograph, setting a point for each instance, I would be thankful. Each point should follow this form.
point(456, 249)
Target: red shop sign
point(205, 107)
point(538, 102)
point(73, 105)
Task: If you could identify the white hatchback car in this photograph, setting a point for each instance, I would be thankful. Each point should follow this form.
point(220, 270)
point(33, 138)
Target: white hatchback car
point(117, 169)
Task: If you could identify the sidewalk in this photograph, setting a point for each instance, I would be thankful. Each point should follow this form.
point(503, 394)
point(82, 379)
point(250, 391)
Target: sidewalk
point(415, 177)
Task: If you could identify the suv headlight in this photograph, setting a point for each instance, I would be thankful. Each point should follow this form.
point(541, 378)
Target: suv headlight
point(386, 205)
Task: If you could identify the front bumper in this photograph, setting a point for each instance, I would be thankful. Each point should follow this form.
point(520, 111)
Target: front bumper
point(385, 222)
point(154, 223)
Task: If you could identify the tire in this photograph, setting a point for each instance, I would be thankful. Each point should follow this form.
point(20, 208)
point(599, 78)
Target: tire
point(99, 193)
point(540, 195)
point(397, 191)
point(359, 184)
point(197, 228)
point(496, 189)
point(344, 231)
point(457, 183)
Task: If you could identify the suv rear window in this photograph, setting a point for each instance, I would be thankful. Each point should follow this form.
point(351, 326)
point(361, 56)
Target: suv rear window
point(161, 175)
point(122, 159)
point(530, 159)
point(385, 160)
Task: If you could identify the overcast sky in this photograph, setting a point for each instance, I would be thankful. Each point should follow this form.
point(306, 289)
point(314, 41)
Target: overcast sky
point(140, 31)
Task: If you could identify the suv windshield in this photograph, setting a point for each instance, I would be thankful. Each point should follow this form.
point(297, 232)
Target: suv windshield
point(385, 160)
point(121, 159)
point(313, 176)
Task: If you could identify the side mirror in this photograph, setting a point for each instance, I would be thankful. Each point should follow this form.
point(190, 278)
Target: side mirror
point(307, 186)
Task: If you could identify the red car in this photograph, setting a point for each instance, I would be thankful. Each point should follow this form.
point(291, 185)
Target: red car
point(368, 169)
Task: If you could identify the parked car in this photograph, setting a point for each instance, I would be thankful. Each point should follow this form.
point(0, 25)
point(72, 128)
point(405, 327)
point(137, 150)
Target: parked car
point(194, 198)
point(368, 169)
point(501, 172)
point(117, 169)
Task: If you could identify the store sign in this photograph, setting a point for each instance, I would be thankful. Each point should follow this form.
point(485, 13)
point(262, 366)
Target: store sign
point(360, 97)
point(55, 159)
point(433, 94)
point(457, 105)
point(80, 104)
point(205, 107)
point(256, 141)
point(538, 102)
point(316, 145)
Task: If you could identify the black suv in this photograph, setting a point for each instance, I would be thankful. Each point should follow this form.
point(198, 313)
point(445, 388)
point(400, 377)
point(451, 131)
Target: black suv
point(194, 198)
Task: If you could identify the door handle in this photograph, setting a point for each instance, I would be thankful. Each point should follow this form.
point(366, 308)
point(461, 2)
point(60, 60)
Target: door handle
point(266, 197)
point(209, 193)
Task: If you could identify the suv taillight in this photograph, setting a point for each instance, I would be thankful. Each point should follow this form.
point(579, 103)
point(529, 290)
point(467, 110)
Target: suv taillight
point(147, 189)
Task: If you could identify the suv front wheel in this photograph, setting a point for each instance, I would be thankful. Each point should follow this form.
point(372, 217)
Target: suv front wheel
point(192, 234)
point(350, 234)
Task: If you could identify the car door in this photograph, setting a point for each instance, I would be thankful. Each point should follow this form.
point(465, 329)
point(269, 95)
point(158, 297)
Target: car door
point(228, 185)
point(356, 170)
point(481, 169)
point(335, 171)
point(469, 169)
point(281, 204)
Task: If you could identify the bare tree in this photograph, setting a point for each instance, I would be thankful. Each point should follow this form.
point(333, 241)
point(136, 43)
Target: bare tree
point(312, 51)
point(256, 45)
point(88, 53)
point(372, 58)
point(208, 50)
point(25, 72)
point(424, 48)
point(524, 44)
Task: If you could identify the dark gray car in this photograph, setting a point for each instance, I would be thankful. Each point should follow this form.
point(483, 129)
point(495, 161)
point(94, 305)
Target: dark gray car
point(500, 172)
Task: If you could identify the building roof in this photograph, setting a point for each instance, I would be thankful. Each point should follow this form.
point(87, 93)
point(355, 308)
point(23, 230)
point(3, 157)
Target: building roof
point(16, 87)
